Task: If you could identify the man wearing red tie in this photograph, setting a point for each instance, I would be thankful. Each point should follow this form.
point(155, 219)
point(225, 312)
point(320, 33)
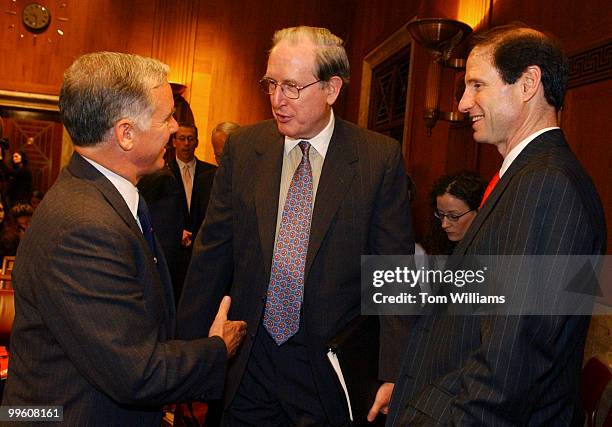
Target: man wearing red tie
point(502, 369)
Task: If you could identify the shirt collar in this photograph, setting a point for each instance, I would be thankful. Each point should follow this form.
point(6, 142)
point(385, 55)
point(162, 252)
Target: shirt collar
point(319, 142)
point(127, 190)
point(513, 154)
point(181, 163)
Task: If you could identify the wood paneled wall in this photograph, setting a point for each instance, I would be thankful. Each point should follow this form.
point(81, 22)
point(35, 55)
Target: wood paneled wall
point(218, 49)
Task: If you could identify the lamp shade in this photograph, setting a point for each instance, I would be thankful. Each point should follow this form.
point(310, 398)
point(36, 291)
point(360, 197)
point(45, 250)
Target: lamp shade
point(439, 36)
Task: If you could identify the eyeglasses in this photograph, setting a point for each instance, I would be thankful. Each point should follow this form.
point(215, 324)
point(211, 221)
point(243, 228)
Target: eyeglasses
point(189, 138)
point(290, 90)
point(450, 217)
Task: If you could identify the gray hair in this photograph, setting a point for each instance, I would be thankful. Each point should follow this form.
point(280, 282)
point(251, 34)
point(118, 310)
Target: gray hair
point(226, 127)
point(331, 58)
point(103, 87)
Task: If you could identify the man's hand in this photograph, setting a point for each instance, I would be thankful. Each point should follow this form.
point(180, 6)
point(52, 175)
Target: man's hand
point(232, 332)
point(381, 402)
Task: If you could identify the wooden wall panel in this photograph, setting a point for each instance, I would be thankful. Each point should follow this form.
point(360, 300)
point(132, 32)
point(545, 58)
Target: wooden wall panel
point(174, 37)
point(36, 64)
point(218, 49)
point(39, 136)
point(588, 133)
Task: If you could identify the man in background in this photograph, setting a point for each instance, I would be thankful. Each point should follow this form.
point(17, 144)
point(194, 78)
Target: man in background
point(511, 370)
point(297, 200)
point(196, 179)
point(219, 136)
point(95, 317)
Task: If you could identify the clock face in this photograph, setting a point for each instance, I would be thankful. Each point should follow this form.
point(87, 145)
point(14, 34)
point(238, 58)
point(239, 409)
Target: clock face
point(36, 17)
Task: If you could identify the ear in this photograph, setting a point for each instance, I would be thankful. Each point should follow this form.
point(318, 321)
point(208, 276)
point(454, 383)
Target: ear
point(124, 134)
point(333, 89)
point(531, 82)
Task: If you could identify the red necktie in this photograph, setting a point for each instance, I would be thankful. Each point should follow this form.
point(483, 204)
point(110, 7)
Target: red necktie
point(490, 188)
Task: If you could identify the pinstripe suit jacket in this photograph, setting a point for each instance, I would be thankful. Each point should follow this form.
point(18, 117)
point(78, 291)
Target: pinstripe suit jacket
point(509, 370)
point(95, 318)
point(361, 207)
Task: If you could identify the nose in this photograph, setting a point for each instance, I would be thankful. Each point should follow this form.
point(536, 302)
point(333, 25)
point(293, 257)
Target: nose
point(277, 97)
point(445, 223)
point(466, 102)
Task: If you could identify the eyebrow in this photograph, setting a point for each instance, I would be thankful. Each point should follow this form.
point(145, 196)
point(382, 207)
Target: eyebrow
point(289, 81)
point(474, 81)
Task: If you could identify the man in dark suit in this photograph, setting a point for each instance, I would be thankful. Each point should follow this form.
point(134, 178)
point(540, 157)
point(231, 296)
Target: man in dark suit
point(296, 201)
point(508, 370)
point(195, 179)
point(195, 176)
point(95, 318)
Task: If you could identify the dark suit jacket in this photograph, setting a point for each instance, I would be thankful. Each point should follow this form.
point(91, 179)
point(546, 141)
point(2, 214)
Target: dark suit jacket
point(361, 207)
point(509, 370)
point(202, 186)
point(165, 198)
point(94, 318)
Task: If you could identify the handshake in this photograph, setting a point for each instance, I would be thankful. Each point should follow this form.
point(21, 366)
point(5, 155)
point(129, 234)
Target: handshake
point(232, 332)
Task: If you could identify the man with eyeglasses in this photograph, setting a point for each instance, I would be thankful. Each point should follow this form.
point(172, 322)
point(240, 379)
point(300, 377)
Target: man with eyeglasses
point(297, 200)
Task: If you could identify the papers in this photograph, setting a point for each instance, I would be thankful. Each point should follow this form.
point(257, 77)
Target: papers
point(333, 359)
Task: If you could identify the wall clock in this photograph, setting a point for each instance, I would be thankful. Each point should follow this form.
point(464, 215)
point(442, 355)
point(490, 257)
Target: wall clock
point(36, 17)
point(42, 20)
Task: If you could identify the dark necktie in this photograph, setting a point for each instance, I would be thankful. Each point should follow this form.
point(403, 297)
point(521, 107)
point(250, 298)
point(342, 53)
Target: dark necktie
point(145, 224)
point(489, 189)
point(286, 288)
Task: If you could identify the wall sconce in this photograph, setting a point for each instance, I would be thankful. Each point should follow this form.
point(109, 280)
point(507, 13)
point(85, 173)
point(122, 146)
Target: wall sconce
point(439, 37)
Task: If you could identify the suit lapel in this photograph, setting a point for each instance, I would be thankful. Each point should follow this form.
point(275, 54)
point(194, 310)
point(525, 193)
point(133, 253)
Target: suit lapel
point(81, 168)
point(269, 153)
point(336, 177)
point(195, 194)
point(541, 144)
point(173, 165)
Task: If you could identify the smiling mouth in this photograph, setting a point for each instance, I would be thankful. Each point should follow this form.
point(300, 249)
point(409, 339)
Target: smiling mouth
point(476, 117)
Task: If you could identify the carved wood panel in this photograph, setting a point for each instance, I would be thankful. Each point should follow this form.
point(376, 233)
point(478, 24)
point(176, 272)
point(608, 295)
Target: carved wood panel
point(40, 137)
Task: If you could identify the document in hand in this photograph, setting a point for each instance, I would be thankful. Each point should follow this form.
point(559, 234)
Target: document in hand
point(353, 354)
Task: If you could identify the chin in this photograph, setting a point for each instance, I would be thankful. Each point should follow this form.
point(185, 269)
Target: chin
point(285, 130)
point(479, 138)
point(454, 237)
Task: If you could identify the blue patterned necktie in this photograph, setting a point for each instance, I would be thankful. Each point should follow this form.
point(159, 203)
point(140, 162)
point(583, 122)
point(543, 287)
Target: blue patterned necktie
point(286, 288)
point(145, 224)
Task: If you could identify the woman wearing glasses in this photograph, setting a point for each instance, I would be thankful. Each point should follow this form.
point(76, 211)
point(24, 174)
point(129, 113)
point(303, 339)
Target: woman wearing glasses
point(455, 199)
